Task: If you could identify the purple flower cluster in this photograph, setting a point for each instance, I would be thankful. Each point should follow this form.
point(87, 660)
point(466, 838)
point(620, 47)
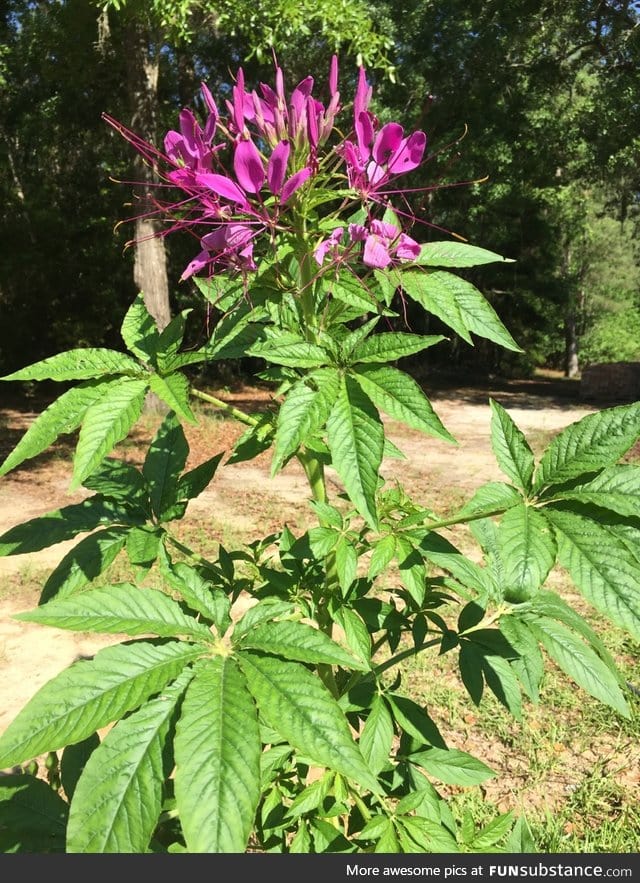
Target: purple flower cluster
point(239, 176)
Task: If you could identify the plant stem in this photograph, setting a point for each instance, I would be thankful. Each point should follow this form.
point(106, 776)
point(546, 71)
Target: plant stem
point(448, 522)
point(226, 407)
point(404, 654)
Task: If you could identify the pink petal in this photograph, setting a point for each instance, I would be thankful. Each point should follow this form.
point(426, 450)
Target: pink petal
point(208, 100)
point(294, 182)
point(196, 264)
point(277, 167)
point(381, 228)
point(333, 75)
point(410, 154)
point(387, 143)
point(376, 253)
point(358, 232)
point(408, 249)
point(222, 186)
point(362, 96)
point(364, 134)
point(248, 166)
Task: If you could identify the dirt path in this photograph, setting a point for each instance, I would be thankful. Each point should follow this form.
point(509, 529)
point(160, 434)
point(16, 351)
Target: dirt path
point(240, 497)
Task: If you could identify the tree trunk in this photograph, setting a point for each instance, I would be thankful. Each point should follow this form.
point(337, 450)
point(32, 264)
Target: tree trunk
point(571, 364)
point(150, 265)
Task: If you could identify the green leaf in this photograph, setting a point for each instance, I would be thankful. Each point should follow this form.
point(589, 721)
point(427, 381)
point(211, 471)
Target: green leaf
point(193, 483)
point(429, 836)
point(174, 391)
point(502, 682)
point(119, 480)
point(356, 440)
point(457, 254)
point(459, 304)
point(580, 662)
point(303, 412)
point(164, 462)
point(377, 734)
point(142, 546)
point(217, 752)
point(492, 498)
point(601, 566)
point(616, 488)
point(139, 331)
point(82, 363)
point(118, 798)
point(346, 561)
point(436, 298)
point(119, 609)
point(199, 593)
point(388, 346)
point(73, 761)
point(488, 837)
point(453, 767)
point(33, 817)
point(86, 561)
point(355, 632)
point(290, 350)
point(511, 448)
point(529, 666)
point(350, 290)
point(59, 525)
point(106, 422)
point(301, 642)
point(528, 551)
point(170, 341)
point(415, 721)
point(91, 694)
point(595, 441)
point(297, 705)
point(61, 417)
point(384, 551)
point(400, 396)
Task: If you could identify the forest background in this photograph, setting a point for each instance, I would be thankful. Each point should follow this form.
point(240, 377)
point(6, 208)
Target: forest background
point(531, 109)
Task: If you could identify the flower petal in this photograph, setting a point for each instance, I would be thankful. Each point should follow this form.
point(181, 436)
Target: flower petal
point(294, 182)
point(387, 142)
point(277, 167)
point(376, 252)
point(223, 186)
point(248, 166)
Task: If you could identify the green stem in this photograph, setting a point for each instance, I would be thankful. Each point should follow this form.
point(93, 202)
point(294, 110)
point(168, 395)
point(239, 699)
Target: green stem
point(476, 516)
point(404, 654)
point(226, 407)
point(314, 470)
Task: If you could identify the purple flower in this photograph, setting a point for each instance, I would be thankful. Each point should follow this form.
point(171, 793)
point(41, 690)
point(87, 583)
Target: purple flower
point(229, 245)
point(329, 245)
point(384, 244)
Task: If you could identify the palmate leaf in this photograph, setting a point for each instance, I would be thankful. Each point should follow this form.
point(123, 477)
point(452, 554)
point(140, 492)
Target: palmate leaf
point(453, 767)
point(91, 694)
point(528, 551)
point(63, 524)
point(87, 560)
point(174, 392)
point(217, 754)
point(459, 304)
point(33, 817)
point(303, 412)
point(457, 254)
point(61, 417)
point(299, 707)
point(601, 566)
point(356, 440)
point(164, 462)
point(580, 662)
point(196, 480)
point(120, 481)
point(139, 331)
point(400, 396)
point(82, 363)
point(118, 798)
point(290, 350)
point(589, 445)
point(511, 448)
point(377, 735)
point(199, 594)
point(616, 488)
point(301, 642)
point(106, 422)
point(388, 346)
point(119, 609)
